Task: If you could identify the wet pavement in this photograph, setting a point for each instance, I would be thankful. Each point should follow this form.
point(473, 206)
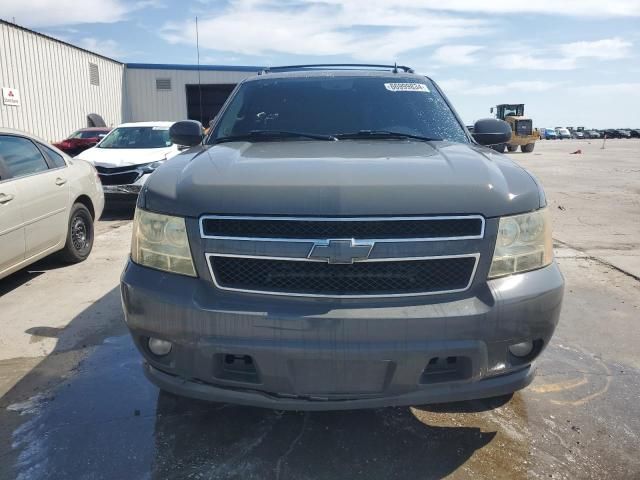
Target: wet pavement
point(74, 403)
point(100, 418)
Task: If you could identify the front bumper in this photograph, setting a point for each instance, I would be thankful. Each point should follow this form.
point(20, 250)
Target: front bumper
point(129, 190)
point(337, 354)
point(132, 189)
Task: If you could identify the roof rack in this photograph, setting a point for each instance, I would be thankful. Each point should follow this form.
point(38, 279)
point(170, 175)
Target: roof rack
point(346, 66)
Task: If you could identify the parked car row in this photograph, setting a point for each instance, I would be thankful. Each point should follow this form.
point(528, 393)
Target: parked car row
point(49, 201)
point(561, 133)
point(622, 133)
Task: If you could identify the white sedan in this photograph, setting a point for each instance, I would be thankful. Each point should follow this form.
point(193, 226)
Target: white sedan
point(128, 155)
point(48, 202)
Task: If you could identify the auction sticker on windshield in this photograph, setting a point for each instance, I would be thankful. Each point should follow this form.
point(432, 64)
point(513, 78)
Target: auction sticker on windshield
point(406, 87)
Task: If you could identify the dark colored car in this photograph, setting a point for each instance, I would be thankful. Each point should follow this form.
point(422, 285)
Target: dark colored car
point(635, 133)
point(81, 140)
point(612, 133)
point(340, 240)
point(592, 134)
point(624, 133)
point(578, 135)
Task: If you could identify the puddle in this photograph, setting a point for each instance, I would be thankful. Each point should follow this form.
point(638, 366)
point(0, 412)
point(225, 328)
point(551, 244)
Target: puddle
point(578, 419)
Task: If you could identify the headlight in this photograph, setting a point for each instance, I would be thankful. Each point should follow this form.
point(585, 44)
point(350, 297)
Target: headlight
point(160, 242)
point(524, 243)
point(151, 167)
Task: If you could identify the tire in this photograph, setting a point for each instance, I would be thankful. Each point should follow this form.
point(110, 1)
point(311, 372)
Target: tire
point(528, 148)
point(512, 148)
point(499, 148)
point(79, 235)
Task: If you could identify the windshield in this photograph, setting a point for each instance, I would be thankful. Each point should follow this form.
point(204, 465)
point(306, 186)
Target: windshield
point(137, 137)
point(89, 133)
point(338, 105)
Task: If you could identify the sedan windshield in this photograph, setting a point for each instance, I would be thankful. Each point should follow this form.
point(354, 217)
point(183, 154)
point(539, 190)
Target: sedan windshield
point(89, 134)
point(137, 137)
point(338, 108)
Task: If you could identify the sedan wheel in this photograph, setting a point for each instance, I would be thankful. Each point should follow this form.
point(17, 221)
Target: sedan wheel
point(79, 235)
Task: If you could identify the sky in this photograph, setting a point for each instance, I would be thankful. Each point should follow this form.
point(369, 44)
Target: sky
point(572, 63)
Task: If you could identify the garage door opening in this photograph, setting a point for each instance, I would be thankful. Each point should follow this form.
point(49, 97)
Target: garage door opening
point(213, 97)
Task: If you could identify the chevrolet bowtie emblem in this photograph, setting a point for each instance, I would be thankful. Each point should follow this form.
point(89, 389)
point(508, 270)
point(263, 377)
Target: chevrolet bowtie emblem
point(341, 251)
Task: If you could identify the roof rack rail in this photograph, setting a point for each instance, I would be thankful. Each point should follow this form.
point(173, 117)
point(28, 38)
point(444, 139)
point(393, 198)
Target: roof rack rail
point(354, 66)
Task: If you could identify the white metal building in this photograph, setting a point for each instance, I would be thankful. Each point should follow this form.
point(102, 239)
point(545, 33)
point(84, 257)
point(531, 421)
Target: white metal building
point(49, 87)
point(171, 92)
point(56, 85)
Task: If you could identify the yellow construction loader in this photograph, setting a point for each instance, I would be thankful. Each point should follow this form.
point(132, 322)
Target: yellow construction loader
point(522, 133)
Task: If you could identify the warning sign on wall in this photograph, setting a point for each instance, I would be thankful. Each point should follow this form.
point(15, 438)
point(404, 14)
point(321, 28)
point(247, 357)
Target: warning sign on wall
point(10, 96)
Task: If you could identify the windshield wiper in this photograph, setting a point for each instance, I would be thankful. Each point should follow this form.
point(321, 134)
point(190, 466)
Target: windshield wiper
point(383, 134)
point(271, 135)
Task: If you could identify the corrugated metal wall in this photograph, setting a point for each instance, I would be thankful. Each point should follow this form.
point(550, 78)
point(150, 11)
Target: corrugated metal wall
point(145, 103)
point(53, 82)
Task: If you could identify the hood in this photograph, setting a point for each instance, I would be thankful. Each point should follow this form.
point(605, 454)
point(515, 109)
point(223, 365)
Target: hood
point(121, 157)
point(344, 178)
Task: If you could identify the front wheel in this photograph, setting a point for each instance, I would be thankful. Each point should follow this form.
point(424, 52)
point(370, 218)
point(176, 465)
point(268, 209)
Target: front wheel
point(499, 148)
point(79, 235)
point(512, 148)
point(528, 148)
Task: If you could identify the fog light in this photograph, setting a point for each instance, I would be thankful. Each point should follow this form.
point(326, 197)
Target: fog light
point(521, 349)
point(159, 347)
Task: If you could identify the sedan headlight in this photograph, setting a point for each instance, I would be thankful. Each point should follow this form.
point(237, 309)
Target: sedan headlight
point(151, 167)
point(524, 243)
point(160, 242)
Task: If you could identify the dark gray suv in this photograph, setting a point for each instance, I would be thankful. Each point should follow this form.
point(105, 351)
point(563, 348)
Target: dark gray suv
point(339, 240)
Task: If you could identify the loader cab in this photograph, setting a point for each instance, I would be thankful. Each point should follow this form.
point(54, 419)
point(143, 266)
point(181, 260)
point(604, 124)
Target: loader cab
point(509, 110)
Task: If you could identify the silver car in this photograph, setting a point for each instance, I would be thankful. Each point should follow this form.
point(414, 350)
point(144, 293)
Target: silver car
point(48, 202)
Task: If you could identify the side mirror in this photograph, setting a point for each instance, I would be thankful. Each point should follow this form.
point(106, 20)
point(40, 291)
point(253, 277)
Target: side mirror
point(186, 132)
point(491, 110)
point(491, 131)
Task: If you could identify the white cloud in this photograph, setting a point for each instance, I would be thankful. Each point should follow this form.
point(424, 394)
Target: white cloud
point(456, 54)
point(378, 29)
point(108, 48)
point(454, 85)
point(577, 8)
point(625, 88)
point(526, 61)
point(467, 87)
point(46, 13)
point(563, 57)
point(571, 8)
point(606, 49)
point(362, 31)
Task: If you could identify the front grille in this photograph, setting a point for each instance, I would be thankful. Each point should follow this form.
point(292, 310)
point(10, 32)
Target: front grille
point(376, 228)
point(361, 279)
point(110, 170)
point(125, 178)
point(524, 127)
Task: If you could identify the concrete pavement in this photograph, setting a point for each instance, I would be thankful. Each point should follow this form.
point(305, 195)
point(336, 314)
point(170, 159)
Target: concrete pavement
point(74, 403)
point(594, 196)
